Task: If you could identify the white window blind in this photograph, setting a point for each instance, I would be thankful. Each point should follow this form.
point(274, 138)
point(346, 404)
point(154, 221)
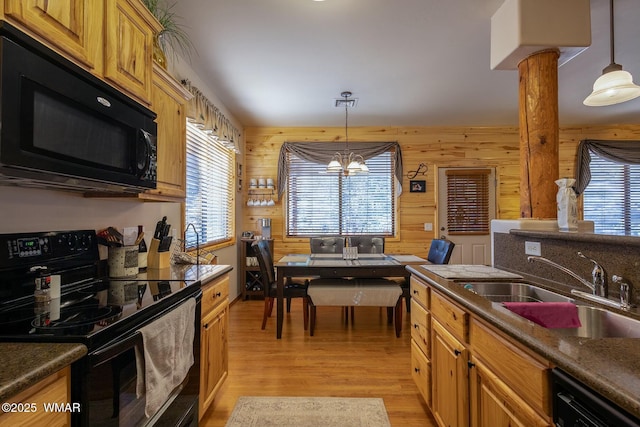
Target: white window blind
point(210, 188)
point(330, 203)
point(612, 198)
point(468, 201)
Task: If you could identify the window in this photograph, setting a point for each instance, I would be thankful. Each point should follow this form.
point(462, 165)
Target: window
point(612, 198)
point(468, 201)
point(330, 203)
point(210, 188)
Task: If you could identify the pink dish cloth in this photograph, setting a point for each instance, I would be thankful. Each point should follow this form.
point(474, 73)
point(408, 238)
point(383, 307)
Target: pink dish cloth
point(548, 314)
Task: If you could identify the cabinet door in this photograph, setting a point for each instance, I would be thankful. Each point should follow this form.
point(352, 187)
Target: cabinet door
point(129, 47)
point(214, 361)
point(494, 404)
point(54, 388)
point(450, 392)
point(169, 104)
point(72, 26)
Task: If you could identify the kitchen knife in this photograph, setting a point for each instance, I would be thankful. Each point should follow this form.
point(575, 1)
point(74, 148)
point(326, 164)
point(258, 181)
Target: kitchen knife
point(157, 234)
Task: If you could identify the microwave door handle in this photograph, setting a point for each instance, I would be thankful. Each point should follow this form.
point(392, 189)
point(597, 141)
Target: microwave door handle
point(146, 138)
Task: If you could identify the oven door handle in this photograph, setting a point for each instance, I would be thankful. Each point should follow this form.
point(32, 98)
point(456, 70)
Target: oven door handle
point(107, 353)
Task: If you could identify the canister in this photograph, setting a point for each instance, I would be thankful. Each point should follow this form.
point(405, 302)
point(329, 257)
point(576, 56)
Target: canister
point(123, 261)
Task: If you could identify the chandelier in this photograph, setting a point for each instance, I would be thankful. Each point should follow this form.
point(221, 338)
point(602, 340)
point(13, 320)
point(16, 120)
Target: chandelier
point(348, 162)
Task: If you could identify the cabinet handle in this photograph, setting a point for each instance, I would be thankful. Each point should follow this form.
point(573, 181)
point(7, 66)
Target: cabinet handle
point(206, 326)
point(416, 326)
point(217, 295)
point(416, 369)
point(470, 364)
point(415, 292)
point(457, 352)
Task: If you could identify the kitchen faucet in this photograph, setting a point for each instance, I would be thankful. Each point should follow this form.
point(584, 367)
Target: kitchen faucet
point(599, 278)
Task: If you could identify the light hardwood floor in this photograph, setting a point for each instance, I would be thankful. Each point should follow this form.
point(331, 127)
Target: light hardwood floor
point(364, 359)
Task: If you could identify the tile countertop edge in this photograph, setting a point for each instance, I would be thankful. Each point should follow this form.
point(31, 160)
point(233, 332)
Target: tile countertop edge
point(23, 364)
point(609, 366)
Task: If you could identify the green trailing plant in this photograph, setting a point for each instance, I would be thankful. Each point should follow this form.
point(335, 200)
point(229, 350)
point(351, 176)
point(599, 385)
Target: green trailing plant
point(173, 33)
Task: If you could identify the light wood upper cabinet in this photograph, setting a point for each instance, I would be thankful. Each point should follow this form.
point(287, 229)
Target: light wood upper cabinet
point(168, 100)
point(129, 33)
point(73, 27)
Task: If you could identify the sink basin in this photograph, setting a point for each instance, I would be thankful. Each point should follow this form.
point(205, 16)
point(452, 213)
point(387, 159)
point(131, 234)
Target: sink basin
point(596, 322)
point(601, 323)
point(514, 292)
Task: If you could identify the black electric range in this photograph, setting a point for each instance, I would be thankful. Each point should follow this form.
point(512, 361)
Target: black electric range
point(100, 312)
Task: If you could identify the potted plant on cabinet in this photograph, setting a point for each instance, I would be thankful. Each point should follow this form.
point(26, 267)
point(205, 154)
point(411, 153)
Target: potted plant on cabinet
point(173, 36)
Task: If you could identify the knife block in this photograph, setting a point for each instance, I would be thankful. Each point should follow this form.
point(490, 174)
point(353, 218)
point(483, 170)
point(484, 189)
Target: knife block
point(157, 259)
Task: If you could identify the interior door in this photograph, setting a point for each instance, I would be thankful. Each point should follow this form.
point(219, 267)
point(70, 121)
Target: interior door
point(473, 246)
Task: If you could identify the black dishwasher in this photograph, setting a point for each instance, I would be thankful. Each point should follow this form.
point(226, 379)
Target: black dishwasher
point(575, 405)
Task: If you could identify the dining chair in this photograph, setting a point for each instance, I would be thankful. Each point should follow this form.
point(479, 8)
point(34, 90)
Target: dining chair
point(292, 289)
point(439, 253)
point(367, 244)
point(326, 244)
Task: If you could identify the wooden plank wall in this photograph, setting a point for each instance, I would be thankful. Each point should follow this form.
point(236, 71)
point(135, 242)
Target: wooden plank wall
point(435, 146)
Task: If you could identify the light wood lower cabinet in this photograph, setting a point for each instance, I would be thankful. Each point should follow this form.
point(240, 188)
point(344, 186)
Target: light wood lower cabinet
point(214, 350)
point(494, 404)
point(53, 389)
point(476, 375)
point(450, 379)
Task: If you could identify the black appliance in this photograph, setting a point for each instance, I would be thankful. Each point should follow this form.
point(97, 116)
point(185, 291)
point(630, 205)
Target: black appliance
point(64, 128)
point(575, 405)
point(103, 314)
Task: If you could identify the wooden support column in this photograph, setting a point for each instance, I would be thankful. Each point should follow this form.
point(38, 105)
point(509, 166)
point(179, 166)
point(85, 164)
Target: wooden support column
point(539, 134)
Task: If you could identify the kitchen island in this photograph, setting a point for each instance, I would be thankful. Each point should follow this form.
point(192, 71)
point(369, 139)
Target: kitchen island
point(609, 366)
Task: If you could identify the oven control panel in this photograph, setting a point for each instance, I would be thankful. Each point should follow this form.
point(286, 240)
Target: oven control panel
point(45, 246)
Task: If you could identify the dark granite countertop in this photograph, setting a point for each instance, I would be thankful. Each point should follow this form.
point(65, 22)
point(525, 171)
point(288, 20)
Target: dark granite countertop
point(23, 364)
point(610, 366)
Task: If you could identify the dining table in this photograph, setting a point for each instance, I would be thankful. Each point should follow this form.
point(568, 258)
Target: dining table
point(376, 265)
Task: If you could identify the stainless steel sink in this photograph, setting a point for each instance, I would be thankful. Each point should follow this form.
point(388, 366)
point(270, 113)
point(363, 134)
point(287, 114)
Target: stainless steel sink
point(602, 323)
point(596, 322)
point(513, 292)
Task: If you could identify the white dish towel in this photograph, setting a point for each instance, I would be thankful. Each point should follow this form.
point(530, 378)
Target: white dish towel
point(167, 355)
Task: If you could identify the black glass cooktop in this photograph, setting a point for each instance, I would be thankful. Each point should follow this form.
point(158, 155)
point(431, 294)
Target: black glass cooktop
point(88, 309)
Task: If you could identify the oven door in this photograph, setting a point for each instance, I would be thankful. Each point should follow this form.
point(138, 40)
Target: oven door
point(109, 384)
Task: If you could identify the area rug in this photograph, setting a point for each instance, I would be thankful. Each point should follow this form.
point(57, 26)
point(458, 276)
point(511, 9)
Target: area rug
point(308, 412)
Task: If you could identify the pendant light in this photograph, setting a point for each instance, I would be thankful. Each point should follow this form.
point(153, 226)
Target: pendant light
point(614, 85)
point(348, 163)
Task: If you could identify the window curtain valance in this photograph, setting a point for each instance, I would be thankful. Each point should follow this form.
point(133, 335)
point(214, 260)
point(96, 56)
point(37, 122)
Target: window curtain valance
point(207, 117)
point(624, 152)
point(323, 152)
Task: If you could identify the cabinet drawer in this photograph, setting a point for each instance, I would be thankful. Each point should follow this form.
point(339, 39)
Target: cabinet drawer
point(421, 372)
point(521, 371)
point(419, 292)
point(214, 292)
point(420, 324)
point(455, 319)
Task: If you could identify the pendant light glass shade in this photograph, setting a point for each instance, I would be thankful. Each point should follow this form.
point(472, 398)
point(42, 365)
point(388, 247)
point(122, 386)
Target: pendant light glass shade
point(614, 85)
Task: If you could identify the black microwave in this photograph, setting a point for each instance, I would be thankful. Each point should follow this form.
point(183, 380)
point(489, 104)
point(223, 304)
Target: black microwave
point(64, 128)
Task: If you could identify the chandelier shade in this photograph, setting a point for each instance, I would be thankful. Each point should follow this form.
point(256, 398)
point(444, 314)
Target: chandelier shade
point(614, 85)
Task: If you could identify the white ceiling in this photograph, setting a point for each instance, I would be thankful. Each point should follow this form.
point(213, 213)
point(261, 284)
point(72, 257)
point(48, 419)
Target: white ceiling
point(409, 62)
